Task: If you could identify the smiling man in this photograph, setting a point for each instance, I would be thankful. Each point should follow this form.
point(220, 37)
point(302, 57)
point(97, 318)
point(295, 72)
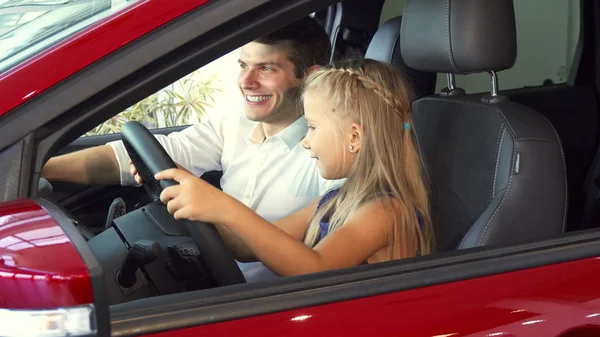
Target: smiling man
point(260, 154)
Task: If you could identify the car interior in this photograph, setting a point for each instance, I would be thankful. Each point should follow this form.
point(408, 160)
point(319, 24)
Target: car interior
point(506, 166)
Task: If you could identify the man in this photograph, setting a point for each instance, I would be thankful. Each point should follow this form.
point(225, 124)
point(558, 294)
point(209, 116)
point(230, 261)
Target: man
point(263, 163)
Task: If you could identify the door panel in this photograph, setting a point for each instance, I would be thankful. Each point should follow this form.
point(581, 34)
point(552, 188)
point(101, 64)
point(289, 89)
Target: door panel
point(541, 302)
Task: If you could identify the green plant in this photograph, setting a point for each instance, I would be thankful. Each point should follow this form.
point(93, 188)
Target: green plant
point(181, 103)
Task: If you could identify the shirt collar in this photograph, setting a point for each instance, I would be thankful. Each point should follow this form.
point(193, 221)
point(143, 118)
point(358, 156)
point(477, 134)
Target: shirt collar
point(291, 135)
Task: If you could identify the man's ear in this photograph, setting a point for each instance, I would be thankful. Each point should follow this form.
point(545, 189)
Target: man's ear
point(356, 136)
point(311, 70)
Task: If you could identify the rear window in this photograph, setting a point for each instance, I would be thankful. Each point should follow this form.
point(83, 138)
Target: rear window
point(27, 27)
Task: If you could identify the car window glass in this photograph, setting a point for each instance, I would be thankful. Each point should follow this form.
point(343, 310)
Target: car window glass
point(27, 27)
point(210, 90)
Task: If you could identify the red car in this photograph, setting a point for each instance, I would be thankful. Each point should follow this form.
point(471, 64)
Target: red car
point(65, 270)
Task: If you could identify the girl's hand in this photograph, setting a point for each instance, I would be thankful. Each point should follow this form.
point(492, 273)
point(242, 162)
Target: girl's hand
point(193, 199)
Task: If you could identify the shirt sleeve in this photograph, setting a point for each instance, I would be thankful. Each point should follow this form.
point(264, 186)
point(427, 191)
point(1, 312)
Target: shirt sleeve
point(198, 148)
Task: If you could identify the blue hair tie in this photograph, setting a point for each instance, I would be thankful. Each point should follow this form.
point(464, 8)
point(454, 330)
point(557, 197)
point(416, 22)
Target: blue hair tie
point(406, 126)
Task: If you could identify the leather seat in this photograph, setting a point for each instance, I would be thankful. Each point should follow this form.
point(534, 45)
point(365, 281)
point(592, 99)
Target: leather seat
point(385, 47)
point(496, 168)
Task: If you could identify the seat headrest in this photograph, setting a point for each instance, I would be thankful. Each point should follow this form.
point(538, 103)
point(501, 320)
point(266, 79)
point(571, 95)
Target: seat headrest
point(459, 36)
point(385, 47)
point(385, 44)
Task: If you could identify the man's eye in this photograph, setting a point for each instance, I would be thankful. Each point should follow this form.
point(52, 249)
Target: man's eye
point(310, 127)
point(267, 68)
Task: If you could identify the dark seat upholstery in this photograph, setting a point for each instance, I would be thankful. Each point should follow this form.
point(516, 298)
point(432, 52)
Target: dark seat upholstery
point(496, 168)
point(385, 47)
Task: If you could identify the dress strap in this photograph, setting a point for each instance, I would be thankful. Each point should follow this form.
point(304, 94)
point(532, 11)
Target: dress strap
point(326, 198)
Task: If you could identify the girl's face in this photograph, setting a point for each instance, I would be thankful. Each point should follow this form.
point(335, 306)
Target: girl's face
point(329, 136)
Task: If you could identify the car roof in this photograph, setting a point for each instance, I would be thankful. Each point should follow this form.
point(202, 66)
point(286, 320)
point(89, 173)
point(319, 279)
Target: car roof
point(51, 66)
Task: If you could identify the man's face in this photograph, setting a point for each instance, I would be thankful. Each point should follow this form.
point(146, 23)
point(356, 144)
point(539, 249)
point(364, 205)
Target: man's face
point(268, 83)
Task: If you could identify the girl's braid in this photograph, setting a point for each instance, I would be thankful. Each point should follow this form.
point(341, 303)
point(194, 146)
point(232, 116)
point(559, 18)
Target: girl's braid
point(382, 92)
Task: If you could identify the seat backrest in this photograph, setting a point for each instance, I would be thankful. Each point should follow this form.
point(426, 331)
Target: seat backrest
point(496, 168)
point(385, 47)
point(351, 24)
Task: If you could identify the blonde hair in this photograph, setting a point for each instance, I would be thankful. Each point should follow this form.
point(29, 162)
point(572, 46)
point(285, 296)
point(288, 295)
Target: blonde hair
point(388, 166)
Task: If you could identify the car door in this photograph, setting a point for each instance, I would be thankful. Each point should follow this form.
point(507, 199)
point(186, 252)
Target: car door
point(543, 288)
point(511, 292)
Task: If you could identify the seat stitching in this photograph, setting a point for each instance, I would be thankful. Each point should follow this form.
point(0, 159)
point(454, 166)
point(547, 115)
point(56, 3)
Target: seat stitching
point(465, 237)
point(448, 36)
point(391, 57)
point(499, 206)
point(402, 27)
point(562, 157)
point(535, 139)
point(498, 148)
point(508, 126)
point(513, 133)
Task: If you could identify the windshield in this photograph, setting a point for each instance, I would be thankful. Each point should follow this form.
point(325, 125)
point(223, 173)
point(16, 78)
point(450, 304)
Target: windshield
point(28, 27)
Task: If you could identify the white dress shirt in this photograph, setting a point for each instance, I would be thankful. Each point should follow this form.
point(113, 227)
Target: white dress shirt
point(273, 176)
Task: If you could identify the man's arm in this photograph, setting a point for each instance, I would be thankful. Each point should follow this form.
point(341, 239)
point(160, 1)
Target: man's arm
point(198, 148)
point(93, 166)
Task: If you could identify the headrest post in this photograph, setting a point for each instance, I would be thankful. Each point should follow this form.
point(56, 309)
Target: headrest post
point(493, 97)
point(494, 83)
point(451, 82)
point(451, 90)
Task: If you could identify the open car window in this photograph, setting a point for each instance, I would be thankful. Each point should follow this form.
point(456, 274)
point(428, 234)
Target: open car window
point(207, 92)
point(28, 27)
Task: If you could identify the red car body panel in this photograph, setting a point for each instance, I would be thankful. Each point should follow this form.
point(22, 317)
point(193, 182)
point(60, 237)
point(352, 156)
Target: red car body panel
point(47, 271)
point(25, 81)
point(544, 301)
point(39, 266)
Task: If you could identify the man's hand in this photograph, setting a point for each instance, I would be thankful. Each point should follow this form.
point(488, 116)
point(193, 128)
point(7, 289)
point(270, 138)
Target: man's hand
point(134, 173)
point(139, 179)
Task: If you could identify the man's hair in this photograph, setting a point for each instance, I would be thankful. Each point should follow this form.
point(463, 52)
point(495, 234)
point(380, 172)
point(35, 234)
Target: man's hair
point(308, 43)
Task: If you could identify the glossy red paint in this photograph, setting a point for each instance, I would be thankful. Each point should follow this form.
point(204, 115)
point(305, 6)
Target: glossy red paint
point(24, 81)
point(39, 266)
point(544, 301)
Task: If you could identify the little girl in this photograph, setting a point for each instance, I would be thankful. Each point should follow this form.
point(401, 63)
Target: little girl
point(359, 128)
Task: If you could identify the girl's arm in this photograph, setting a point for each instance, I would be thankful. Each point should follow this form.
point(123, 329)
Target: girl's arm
point(195, 199)
point(279, 247)
point(294, 225)
point(363, 235)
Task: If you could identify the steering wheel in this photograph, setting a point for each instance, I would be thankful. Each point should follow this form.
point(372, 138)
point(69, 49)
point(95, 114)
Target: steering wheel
point(149, 158)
